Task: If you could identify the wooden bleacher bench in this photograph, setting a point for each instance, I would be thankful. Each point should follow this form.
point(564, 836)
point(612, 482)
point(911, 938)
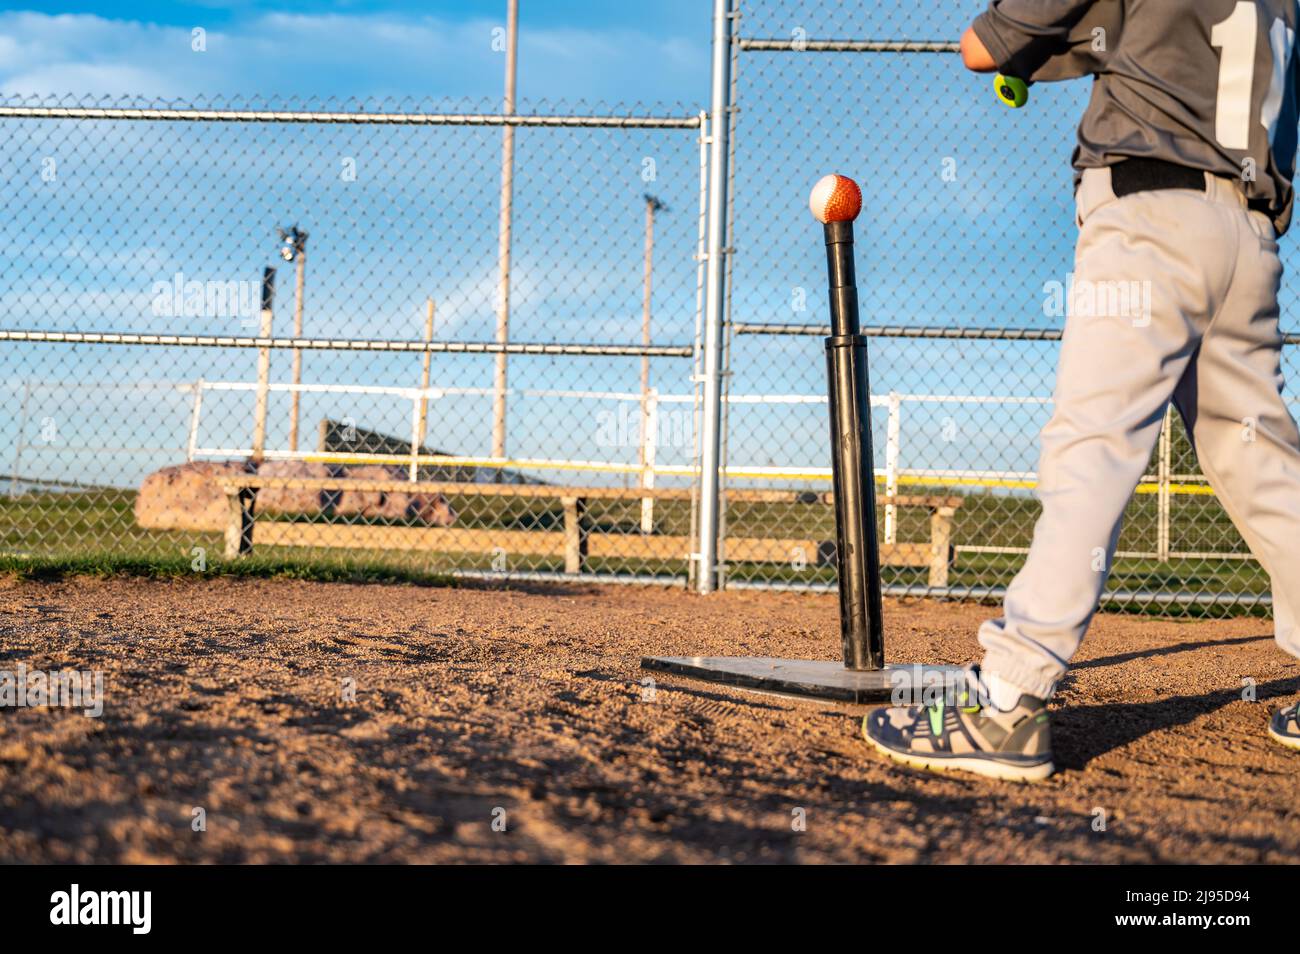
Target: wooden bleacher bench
point(577, 542)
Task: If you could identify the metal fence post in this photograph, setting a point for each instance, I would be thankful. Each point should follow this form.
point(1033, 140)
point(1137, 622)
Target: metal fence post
point(504, 228)
point(893, 437)
point(197, 409)
point(697, 378)
point(715, 301)
point(18, 442)
point(1164, 474)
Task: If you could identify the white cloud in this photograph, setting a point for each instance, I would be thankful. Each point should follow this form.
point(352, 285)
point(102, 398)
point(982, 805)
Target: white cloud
point(108, 78)
point(299, 55)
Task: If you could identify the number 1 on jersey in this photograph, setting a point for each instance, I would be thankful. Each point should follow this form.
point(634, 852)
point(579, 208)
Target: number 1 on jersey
point(1237, 37)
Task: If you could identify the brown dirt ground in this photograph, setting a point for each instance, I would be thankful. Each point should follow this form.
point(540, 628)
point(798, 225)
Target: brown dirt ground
point(226, 695)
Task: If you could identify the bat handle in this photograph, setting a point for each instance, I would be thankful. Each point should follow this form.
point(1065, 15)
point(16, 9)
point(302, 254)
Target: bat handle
point(1011, 90)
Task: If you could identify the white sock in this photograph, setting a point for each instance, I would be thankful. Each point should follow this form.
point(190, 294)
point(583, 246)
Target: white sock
point(1002, 694)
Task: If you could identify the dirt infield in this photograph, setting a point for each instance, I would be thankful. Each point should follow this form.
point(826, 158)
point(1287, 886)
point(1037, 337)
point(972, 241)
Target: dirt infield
point(528, 708)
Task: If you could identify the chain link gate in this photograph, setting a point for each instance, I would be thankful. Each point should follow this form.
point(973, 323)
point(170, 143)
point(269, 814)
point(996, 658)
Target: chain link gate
point(965, 250)
point(137, 234)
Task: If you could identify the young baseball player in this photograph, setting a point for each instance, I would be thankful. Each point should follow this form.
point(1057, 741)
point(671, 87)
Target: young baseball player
point(1183, 184)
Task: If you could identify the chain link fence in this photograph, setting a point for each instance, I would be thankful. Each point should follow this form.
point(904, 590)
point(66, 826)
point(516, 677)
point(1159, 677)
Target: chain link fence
point(297, 305)
point(167, 398)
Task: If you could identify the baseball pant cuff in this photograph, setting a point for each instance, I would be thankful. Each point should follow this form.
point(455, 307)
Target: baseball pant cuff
point(1029, 678)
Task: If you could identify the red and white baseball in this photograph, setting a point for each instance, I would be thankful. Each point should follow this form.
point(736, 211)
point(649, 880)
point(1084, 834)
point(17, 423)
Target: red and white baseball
point(835, 199)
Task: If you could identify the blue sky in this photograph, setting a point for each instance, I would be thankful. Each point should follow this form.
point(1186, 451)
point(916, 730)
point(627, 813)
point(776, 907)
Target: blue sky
point(569, 49)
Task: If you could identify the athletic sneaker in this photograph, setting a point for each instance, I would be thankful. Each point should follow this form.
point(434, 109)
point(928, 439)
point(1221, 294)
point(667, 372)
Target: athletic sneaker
point(1015, 745)
point(1285, 726)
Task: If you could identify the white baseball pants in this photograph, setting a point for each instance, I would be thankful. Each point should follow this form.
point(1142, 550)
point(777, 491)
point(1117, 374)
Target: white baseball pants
point(1205, 335)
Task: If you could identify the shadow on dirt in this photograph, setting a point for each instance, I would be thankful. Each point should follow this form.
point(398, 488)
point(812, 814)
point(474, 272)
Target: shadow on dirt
point(1165, 651)
point(1083, 733)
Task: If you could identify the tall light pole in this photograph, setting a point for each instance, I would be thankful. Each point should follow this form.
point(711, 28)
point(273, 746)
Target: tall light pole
point(652, 205)
point(503, 234)
point(265, 329)
point(293, 247)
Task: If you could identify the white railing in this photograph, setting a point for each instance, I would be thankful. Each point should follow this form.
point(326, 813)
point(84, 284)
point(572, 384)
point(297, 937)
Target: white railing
point(1164, 483)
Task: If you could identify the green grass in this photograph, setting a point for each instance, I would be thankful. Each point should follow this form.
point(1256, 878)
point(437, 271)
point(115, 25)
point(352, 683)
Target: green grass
point(48, 535)
point(320, 570)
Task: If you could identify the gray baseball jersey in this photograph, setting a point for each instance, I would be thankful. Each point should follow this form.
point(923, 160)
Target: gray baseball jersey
point(1209, 84)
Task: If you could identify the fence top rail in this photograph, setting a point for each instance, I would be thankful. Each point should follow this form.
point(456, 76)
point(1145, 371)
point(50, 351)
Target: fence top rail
point(900, 331)
point(156, 114)
point(903, 331)
point(793, 45)
point(343, 344)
